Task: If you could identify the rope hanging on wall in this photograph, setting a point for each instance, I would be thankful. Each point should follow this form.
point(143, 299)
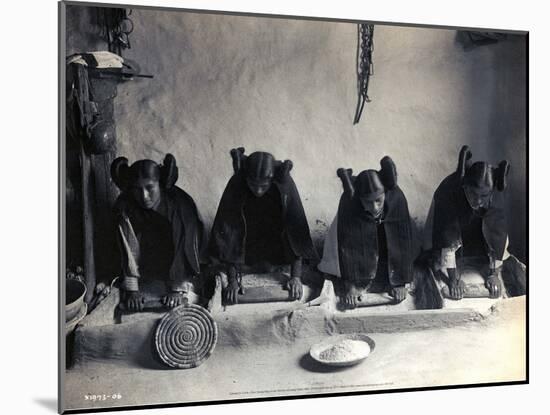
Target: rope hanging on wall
point(365, 68)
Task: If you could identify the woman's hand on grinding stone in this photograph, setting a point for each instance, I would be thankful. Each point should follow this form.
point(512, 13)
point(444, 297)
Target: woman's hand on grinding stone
point(134, 301)
point(456, 288)
point(494, 286)
point(351, 297)
point(231, 292)
point(399, 293)
point(295, 288)
point(173, 299)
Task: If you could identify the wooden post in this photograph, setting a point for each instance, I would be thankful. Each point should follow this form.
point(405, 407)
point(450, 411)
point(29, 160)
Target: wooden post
point(107, 261)
point(88, 224)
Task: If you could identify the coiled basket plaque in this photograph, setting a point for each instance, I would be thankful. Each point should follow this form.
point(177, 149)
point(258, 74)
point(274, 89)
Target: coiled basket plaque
point(186, 336)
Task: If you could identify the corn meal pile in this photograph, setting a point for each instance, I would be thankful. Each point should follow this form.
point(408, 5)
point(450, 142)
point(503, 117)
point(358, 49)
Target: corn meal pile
point(345, 350)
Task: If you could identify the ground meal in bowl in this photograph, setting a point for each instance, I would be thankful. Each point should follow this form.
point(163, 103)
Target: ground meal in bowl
point(345, 350)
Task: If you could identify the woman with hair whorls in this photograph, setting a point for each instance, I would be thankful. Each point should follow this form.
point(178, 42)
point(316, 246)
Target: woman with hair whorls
point(466, 228)
point(369, 244)
point(260, 225)
point(159, 229)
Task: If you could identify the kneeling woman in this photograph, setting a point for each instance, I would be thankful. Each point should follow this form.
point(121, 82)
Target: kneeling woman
point(369, 244)
point(260, 224)
point(159, 230)
point(466, 226)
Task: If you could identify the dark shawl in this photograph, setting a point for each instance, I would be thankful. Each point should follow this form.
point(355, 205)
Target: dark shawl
point(188, 236)
point(358, 239)
point(227, 239)
point(452, 212)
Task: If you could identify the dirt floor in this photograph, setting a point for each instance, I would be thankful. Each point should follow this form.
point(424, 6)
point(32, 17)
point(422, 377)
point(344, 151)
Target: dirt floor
point(491, 350)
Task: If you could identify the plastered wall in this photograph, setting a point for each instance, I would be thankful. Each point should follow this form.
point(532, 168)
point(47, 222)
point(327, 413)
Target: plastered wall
point(289, 87)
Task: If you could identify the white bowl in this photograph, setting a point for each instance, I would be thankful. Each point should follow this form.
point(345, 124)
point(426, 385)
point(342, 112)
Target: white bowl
point(318, 348)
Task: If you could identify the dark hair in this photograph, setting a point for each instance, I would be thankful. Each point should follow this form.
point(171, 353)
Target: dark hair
point(479, 174)
point(368, 182)
point(144, 169)
point(124, 175)
point(260, 165)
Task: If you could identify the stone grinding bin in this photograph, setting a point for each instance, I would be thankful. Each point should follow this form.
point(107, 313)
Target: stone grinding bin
point(146, 339)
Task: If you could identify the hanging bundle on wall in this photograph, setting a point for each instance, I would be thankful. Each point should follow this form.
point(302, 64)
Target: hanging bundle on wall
point(116, 27)
point(365, 66)
point(90, 101)
point(92, 86)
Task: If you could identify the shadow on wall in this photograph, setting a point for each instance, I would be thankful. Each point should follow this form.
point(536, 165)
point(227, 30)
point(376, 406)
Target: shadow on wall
point(508, 132)
point(503, 68)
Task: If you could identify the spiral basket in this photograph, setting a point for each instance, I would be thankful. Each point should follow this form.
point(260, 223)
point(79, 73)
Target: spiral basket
point(186, 336)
